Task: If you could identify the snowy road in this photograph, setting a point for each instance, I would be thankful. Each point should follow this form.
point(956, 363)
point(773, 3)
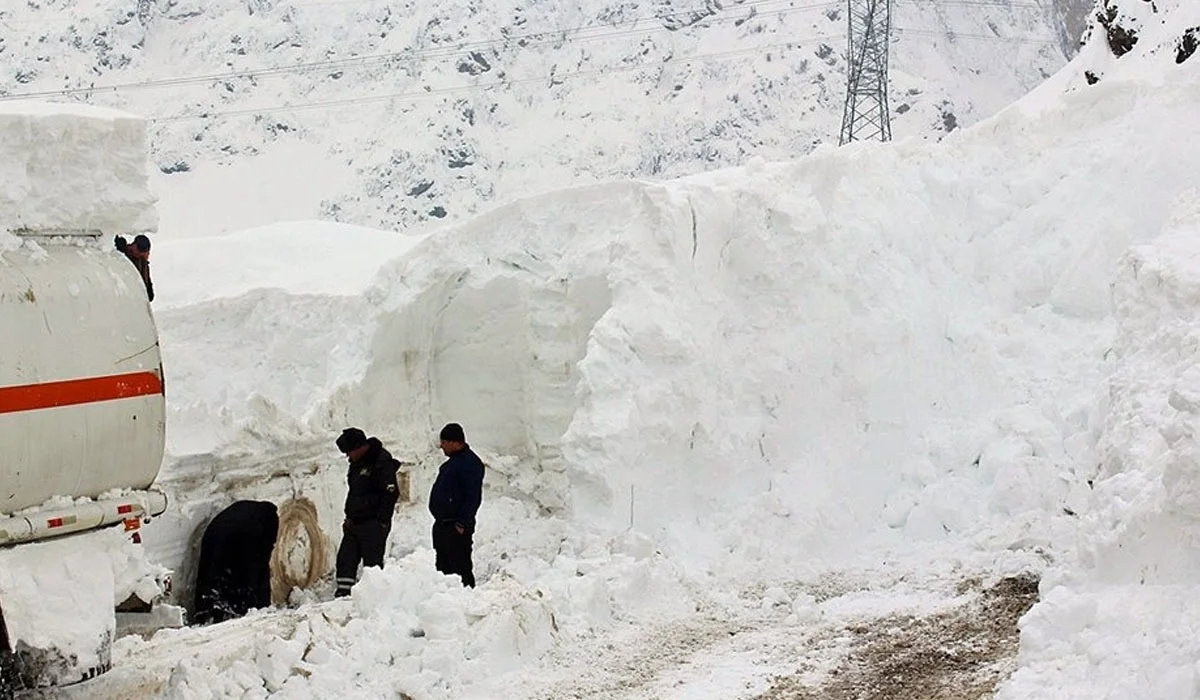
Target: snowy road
point(828, 642)
point(842, 636)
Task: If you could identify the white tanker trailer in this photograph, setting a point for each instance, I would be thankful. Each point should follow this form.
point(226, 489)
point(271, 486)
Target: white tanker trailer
point(81, 389)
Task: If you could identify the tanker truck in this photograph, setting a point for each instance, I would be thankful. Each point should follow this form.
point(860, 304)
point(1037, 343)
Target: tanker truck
point(82, 430)
point(81, 392)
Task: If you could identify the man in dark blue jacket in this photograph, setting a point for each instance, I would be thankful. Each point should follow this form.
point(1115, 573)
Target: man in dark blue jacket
point(370, 501)
point(453, 502)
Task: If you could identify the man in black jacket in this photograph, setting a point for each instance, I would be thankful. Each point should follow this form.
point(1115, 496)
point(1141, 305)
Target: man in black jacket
point(370, 501)
point(453, 502)
point(234, 574)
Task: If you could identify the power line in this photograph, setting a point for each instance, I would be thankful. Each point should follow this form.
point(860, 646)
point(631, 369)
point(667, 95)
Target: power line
point(557, 36)
point(934, 4)
point(952, 35)
point(418, 94)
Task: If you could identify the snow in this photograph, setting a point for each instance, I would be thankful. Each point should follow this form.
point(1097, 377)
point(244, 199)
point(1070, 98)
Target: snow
point(1126, 616)
point(766, 375)
point(297, 257)
point(69, 168)
point(406, 115)
point(60, 594)
point(730, 420)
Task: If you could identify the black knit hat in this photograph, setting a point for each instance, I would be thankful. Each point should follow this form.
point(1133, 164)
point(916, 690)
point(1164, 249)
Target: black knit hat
point(453, 432)
point(351, 438)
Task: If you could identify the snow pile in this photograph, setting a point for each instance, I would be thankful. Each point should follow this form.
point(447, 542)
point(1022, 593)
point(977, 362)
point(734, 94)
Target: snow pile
point(298, 287)
point(68, 168)
point(409, 630)
point(1118, 616)
point(1126, 622)
point(59, 595)
point(869, 339)
point(297, 257)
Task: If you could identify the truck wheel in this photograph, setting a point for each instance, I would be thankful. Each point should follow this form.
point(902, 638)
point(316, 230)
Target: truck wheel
point(8, 663)
point(300, 557)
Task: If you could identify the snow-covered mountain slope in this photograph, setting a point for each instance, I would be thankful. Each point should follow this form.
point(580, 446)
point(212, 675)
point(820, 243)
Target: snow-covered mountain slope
point(1139, 38)
point(397, 114)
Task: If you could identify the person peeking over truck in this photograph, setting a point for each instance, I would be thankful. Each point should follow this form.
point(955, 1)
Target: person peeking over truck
point(371, 496)
point(138, 253)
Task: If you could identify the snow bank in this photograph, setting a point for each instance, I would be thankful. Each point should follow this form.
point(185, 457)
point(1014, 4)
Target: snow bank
point(297, 257)
point(288, 299)
point(906, 339)
point(1125, 622)
point(410, 630)
point(60, 594)
point(870, 337)
point(73, 168)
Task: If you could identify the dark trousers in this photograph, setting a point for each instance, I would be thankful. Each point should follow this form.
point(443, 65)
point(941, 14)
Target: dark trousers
point(363, 541)
point(454, 551)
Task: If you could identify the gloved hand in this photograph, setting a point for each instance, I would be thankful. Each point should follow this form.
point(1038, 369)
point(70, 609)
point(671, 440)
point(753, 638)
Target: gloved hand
point(120, 243)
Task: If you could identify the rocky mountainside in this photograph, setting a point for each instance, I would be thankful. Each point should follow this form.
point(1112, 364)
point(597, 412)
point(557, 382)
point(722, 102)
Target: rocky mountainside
point(400, 114)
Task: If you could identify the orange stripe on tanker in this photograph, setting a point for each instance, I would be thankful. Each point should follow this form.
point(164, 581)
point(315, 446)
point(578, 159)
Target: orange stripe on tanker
point(73, 392)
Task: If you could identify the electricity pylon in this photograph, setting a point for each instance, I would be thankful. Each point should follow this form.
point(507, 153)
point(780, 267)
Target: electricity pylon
point(866, 113)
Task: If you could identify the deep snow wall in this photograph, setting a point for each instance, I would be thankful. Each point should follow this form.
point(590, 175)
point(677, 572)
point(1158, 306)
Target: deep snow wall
point(905, 338)
point(73, 168)
point(1118, 616)
point(873, 336)
point(1147, 490)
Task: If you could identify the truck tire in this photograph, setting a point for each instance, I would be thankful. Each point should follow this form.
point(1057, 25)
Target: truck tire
point(8, 663)
point(301, 555)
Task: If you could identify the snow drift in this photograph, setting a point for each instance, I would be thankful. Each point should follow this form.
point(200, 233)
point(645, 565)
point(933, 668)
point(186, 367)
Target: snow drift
point(1120, 618)
point(70, 168)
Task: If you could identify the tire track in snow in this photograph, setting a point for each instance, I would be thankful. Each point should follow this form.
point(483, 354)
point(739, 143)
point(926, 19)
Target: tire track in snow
point(958, 654)
point(958, 645)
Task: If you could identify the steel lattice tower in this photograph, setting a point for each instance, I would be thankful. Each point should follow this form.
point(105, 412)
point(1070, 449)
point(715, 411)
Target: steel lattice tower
point(866, 113)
